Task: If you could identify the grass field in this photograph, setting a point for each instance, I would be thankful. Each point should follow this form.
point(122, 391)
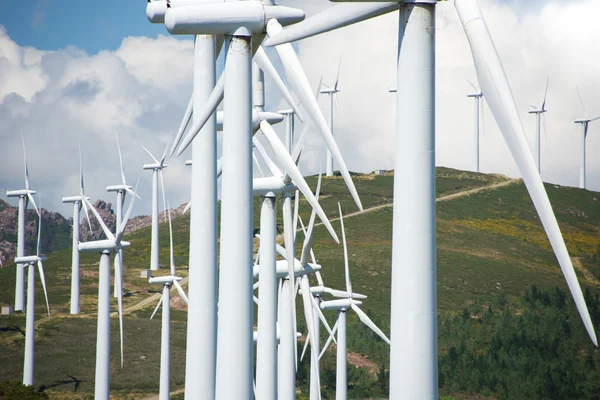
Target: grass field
point(490, 243)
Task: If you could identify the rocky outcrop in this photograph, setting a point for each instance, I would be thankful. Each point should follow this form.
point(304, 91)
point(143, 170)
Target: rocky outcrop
point(108, 216)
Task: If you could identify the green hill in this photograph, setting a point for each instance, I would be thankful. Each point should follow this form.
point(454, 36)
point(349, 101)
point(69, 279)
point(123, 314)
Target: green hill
point(491, 250)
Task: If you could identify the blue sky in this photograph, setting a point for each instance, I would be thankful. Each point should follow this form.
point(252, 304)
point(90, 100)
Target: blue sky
point(88, 25)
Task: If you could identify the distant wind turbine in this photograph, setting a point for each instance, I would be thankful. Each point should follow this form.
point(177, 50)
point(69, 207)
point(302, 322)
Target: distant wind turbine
point(165, 300)
point(332, 92)
point(584, 130)
point(112, 243)
point(31, 261)
point(24, 196)
point(538, 123)
point(157, 172)
point(477, 95)
point(75, 275)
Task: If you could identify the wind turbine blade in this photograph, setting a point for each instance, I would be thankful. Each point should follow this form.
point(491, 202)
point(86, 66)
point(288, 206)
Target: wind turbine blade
point(499, 97)
point(171, 256)
point(187, 207)
point(594, 119)
point(43, 280)
point(545, 94)
point(581, 101)
point(286, 163)
point(87, 215)
point(164, 154)
point(273, 169)
point(25, 159)
point(336, 293)
point(337, 77)
point(219, 168)
point(132, 193)
point(308, 237)
point(210, 106)
point(473, 86)
point(105, 229)
point(296, 209)
point(184, 123)
point(180, 291)
point(162, 188)
point(299, 83)
point(332, 18)
point(121, 160)
point(330, 338)
point(39, 238)
point(81, 188)
point(33, 202)
point(257, 164)
point(262, 60)
point(346, 267)
point(367, 321)
point(127, 215)
point(319, 278)
point(157, 306)
point(150, 154)
point(305, 347)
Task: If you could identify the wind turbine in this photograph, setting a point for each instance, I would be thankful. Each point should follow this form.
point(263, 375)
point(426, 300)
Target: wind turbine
point(157, 172)
point(332, 92)
point(76, 200)
point(538, 123)
point(584, 129)
point(121, 190)
point(112, 243)
point(413, 354)
point(31, 261)
point(24, 196)
point(165, 301)
point(288, 115)
point(343, 306)
point(477, 95)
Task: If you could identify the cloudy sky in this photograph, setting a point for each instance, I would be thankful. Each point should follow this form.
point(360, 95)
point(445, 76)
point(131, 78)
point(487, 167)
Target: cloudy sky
point(73, 70)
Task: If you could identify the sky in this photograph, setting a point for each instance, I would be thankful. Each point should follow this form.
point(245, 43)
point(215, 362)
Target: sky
point(86, 71)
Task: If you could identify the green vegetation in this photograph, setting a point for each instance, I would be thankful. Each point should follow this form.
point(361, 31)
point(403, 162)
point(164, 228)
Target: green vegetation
point(491, 250)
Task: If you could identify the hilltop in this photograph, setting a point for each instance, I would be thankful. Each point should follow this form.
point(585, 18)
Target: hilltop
point(491, 250)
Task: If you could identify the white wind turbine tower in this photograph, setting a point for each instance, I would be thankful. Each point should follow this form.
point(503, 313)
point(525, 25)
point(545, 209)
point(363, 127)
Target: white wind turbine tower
point(477, 95)
point(31, 261)
point(538, 123)
point(343, 306)
point(251, 20)
point(332, 92)
point(157, 172)
point(288, 116)
point(165, 301)
point(121, 189)
point(584, 129)
point(112, 243)
point(76, 200)
point(413, 354)
point(24, 196)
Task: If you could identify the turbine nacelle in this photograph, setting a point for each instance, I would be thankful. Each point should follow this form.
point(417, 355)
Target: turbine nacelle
point(225, 17)
point(19, 193)
point(164, 280)
point(271, 185)
point(118, 188)
point(257, 117)
point(29, 259)
point(320, 290)
point(154, 166)
point(102, 245)
point(342, 304)
point(73, 199)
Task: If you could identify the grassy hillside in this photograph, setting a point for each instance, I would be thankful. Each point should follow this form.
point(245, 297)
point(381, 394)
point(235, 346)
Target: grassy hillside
point(491, 248)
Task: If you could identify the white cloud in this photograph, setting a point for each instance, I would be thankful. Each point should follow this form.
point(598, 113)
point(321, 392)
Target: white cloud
point(140, 92)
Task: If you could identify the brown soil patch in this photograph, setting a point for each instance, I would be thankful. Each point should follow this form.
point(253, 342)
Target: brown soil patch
point(360, 361)
point(584, 271)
